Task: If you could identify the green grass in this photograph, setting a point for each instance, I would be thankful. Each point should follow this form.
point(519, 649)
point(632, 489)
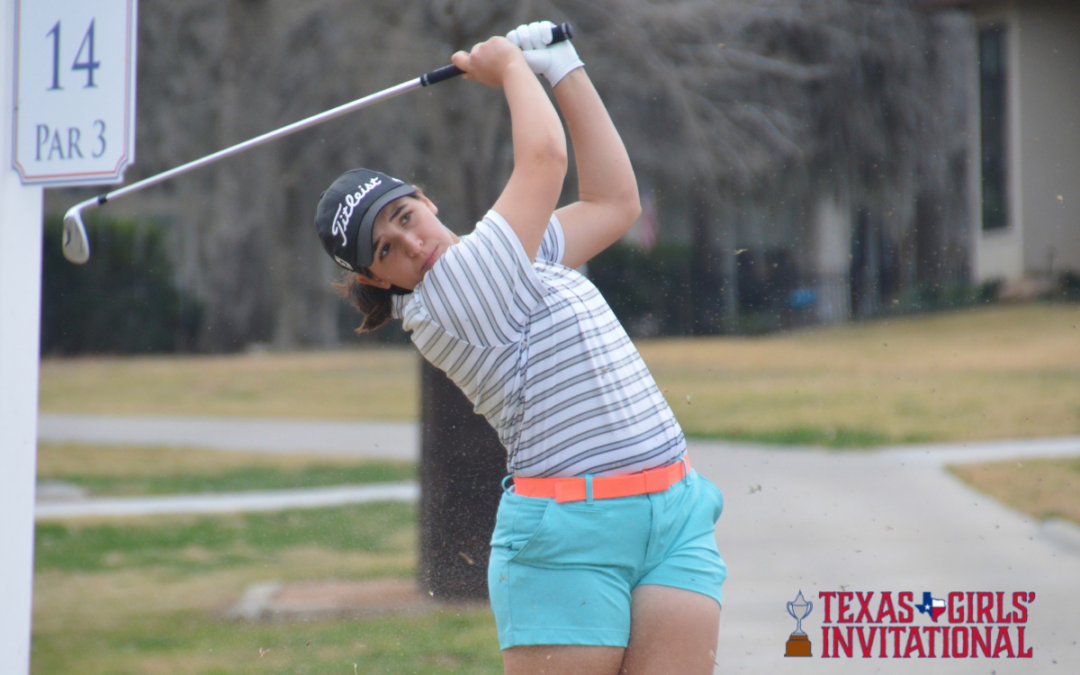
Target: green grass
point(149, 595)
point(260, 478)
point(126, 470)
point(372, 383)
point(841, 438)
point(1041, 488)
point(999, 372)
point(447, 641)
point(207, 543)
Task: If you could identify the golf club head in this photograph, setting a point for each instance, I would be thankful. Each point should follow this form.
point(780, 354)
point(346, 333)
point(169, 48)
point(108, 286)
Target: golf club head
point(76, 245)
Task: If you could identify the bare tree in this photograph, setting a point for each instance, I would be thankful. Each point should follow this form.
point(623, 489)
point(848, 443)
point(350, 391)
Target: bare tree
point(774, 105)
point(744, 115)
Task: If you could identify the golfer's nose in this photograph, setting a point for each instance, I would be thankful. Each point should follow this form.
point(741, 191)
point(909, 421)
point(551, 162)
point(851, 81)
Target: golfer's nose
point(414, 246)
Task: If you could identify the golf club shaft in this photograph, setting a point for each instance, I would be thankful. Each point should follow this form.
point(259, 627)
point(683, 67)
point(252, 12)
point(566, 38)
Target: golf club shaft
point(265, 138)
point(559, 33)
point(76, 246)
point(253, 142)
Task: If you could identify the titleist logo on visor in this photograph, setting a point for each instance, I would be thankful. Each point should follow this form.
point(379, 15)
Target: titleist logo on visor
point(345, 211)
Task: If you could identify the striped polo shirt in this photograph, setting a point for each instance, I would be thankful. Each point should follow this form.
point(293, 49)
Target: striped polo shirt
point(540, 354)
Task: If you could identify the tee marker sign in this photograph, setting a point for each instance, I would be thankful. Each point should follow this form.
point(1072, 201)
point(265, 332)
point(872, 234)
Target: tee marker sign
point(74, 91)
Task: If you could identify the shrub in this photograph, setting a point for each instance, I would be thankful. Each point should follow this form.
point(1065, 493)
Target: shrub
point(123, 300)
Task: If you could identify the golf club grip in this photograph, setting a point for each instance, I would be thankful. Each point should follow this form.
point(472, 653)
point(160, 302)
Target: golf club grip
point(562, 31)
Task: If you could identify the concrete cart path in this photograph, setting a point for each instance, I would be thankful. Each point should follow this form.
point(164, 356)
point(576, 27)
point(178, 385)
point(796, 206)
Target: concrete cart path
point(885, 521)
point(228, 502)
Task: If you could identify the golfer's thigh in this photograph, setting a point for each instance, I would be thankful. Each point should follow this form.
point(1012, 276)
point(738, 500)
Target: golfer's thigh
point(671, 631)
point(562, 660)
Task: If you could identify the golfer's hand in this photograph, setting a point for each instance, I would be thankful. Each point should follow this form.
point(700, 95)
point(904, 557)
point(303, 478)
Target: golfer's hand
point(489, 62)
point(552, 62)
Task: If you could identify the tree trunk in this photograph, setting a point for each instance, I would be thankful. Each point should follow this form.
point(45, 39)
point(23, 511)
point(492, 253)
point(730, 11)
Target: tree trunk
point(234, 247)
point(462, 464)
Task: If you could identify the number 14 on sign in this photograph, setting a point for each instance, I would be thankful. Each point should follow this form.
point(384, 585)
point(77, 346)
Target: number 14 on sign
point(88, 63)
point(75, 91)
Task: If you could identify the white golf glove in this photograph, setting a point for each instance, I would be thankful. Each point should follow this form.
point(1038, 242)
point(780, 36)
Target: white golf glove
point(552, 62)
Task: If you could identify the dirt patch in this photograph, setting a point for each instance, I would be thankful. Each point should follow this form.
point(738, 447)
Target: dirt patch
point(321, 599)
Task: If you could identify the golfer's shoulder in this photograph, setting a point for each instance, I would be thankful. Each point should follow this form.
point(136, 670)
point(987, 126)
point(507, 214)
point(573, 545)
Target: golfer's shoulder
point(491, 250)
point(497, 235)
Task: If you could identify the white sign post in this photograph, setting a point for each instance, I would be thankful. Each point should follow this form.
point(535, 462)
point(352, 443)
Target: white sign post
point(75, 91)
point(67, 101)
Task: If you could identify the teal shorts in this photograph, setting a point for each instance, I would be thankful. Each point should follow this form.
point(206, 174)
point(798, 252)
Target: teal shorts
point(562, 573)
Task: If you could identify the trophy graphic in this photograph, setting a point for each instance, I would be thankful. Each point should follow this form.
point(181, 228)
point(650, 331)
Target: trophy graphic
point(799, 643)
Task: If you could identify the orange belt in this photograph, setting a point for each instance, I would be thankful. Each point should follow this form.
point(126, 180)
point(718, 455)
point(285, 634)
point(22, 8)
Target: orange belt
point(603, 487)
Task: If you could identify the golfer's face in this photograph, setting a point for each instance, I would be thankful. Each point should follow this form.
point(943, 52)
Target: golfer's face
point(407, 239)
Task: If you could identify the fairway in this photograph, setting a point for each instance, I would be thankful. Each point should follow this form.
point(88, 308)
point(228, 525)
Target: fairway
point(150, 595)
point(997, 372)
point(320, 385)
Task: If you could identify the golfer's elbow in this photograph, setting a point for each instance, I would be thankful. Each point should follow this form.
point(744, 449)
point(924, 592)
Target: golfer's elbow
point(631, 208)
point(560, 157)
point(544, 151)
point(551, 157)
point(623, 207)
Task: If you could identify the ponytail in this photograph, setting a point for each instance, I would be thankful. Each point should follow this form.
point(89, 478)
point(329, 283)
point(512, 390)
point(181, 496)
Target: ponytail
point(373, 302)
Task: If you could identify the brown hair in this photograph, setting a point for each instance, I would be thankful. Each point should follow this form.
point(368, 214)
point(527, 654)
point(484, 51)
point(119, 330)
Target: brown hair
point(371, 301)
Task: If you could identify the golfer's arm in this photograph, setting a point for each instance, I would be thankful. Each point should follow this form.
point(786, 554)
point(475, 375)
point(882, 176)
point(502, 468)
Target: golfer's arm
point(608, 202)
point(531, 194)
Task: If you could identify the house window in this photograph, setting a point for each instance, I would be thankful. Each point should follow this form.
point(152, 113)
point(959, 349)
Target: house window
point(992, 123)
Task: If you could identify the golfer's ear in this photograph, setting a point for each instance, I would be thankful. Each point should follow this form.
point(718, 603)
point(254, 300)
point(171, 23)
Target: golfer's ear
point(377, 283)
point(430, 204)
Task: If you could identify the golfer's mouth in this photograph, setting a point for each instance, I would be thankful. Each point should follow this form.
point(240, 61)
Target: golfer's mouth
point(431, 259)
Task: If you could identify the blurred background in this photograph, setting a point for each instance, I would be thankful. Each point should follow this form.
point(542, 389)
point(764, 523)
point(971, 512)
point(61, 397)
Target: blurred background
point(860, 228)
point(799, 162)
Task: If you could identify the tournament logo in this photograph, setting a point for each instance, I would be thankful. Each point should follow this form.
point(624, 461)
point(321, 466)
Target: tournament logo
point(885, 624)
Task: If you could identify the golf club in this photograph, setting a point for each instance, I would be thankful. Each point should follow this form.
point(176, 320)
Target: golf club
point(76, 245)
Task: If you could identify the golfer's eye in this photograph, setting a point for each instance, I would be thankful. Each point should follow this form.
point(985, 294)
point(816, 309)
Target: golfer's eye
point(405, 218)
point(384, 251)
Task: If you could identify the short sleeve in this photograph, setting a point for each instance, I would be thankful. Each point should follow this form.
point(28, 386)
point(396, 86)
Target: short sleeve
point(483, 289)
point(553, 245)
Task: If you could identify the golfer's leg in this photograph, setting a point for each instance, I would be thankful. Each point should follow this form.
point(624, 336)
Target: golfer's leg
point(672, 632)
point(562, 660)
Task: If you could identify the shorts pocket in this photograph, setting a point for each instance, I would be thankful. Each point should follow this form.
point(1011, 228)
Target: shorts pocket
point(575, 534)
point(717, 496)
point(518, 521)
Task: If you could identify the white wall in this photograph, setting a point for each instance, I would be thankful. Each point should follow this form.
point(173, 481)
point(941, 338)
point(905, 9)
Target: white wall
point(1043, 80)
point(1049, 76)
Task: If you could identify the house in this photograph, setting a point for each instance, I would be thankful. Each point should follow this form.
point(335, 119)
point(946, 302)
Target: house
point(1025, 155)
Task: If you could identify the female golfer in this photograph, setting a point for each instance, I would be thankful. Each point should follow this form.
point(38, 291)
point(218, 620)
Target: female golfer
point(604, 556)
